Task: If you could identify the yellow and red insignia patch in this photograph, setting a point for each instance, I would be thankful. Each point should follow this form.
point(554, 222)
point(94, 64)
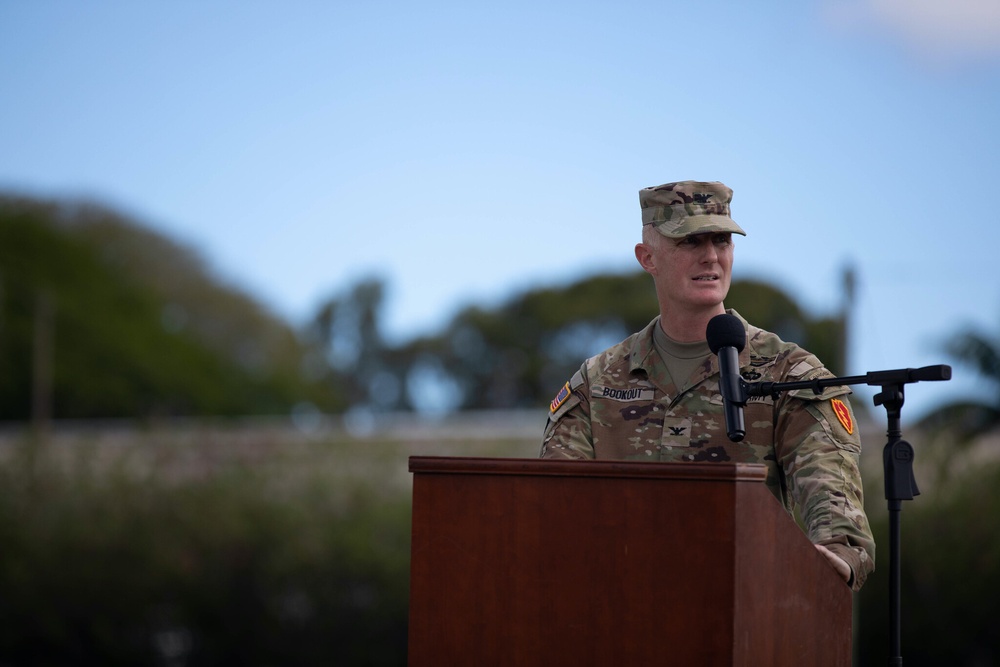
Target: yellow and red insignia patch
point(843, 414)
point(560, 398)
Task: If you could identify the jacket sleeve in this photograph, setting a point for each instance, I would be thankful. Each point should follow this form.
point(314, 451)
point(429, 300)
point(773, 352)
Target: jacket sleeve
point(818, 446)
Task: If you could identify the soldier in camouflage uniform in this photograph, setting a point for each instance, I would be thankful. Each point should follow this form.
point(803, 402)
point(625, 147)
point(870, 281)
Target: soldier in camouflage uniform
point(655, 396)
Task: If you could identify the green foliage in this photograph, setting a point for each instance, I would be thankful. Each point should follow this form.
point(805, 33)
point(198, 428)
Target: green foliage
point(519, 354)
point(345, 327)
point(108, 319)
point(123, 563)
point(241, 548)
point(950, 550)
point(961, 422)
point(133, 326)
point(768, 307)
point(950, 558)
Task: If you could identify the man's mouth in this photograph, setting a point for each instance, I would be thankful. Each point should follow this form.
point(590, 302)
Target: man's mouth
point(707, 276)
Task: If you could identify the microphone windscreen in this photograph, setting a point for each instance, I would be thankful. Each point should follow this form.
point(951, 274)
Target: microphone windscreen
point(725, 330)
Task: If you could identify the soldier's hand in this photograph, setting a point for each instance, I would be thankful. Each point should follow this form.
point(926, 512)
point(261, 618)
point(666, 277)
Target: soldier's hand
point(838, 563)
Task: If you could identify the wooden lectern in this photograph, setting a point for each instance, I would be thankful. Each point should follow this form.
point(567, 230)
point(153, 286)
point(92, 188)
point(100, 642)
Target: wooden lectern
point(543, 562)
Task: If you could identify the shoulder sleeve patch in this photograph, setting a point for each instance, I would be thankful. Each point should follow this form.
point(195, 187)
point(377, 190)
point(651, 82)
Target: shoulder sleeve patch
point(560, 398)
point(565, 392)
point(843, 415)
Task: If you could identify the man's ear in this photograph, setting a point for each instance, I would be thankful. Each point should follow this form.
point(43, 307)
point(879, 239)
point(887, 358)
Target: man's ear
point(644, 255)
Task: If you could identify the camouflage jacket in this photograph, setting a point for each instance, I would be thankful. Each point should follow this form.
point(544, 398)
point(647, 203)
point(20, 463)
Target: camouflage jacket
point(622, 404)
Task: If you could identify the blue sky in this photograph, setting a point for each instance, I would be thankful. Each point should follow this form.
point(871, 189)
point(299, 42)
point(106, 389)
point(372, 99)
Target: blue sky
point(467, 153)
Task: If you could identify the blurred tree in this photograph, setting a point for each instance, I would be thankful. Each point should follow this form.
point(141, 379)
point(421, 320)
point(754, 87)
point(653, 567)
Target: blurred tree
point(519, 354)
point(966, 420)
point(100, 317)
point(132, 325)
point(221, 316)
point(346, 329)
point(953, 431)
point(770, 308)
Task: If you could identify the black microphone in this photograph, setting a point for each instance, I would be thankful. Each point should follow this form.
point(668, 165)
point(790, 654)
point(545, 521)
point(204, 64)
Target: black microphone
point(727, 338)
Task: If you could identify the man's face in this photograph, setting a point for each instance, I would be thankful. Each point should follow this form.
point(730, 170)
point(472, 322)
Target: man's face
point(691, 273)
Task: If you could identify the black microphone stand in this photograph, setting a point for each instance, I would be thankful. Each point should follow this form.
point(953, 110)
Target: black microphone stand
point(897, 461)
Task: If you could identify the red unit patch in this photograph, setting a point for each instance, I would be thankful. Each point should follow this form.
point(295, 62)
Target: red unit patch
point(843, 414)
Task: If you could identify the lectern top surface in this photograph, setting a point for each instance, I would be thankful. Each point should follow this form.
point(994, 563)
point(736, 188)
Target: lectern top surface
point(548, 467)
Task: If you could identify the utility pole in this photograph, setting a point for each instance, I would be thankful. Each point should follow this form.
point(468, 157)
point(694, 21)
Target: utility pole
point(849, 285)
point(41, 363)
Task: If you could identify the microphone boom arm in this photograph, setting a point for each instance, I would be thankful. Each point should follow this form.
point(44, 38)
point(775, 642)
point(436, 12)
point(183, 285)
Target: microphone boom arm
point(875, 378)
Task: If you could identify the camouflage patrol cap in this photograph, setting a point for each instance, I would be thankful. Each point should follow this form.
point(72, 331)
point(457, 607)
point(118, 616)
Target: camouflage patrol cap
point(680, 209)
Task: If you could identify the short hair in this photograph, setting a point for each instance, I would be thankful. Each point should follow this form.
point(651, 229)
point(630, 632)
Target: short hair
point(650, 236)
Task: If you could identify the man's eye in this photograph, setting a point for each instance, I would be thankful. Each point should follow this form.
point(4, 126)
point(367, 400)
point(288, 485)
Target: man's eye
point(722, 239)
